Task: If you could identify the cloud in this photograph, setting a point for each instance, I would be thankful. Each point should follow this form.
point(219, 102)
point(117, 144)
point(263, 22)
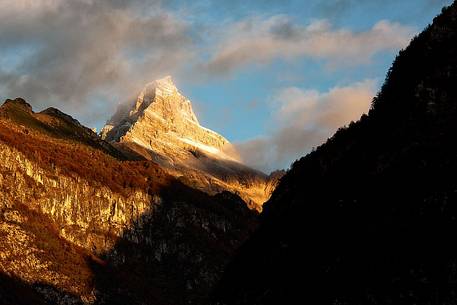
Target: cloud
point(259, 41)
point(28, 6)
point(72, 53)
point(85, 56)
point(304, 119)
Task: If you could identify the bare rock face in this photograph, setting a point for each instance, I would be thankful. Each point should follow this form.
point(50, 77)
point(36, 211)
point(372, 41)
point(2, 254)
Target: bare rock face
point(162, 120)
point(80, 225)
point(161, 126)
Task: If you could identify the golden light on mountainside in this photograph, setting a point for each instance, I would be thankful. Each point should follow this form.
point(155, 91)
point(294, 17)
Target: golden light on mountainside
point(66, 191)
point(158, 209)
point(160, 125)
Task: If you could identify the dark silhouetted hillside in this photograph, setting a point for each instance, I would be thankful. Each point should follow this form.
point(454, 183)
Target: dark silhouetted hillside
point(370, 217)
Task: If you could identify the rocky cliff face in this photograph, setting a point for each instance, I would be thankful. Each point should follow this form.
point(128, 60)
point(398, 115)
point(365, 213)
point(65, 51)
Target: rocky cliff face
point(80, 226)
point(370, 216)
point(161, 126)
point(84, 211)
point(162, 120)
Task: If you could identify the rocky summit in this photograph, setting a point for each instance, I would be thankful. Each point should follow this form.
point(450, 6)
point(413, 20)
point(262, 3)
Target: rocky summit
point(162, 126)
point(163, 121)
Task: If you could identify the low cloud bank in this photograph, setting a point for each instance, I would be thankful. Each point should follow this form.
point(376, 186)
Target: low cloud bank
point(304, 119)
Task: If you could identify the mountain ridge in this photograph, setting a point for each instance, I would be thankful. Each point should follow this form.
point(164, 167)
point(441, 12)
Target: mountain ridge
point(369, 216)
point(162, 100)
point(81, 225)
point(161, 126)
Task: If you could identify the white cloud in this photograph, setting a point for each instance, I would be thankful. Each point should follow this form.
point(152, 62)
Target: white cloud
point(305, 119)
point(27, 6)
point(74, 51)
point(309, 108)
point(260, 41)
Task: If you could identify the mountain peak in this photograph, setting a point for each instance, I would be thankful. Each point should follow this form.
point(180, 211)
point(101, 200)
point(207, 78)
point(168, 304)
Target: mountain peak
point(162, 126)
point(165, 83)
point(54, 112)
point(160, 116)
point(19, 102)
point(160, 87)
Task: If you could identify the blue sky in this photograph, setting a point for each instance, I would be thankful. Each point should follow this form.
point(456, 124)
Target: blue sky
point(233, 97)
point(239, 105)
point(274, 77)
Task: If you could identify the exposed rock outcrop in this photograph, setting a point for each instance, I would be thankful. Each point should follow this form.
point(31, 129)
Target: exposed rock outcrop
point(161, 126)
point(80, 226)
point(163, 121)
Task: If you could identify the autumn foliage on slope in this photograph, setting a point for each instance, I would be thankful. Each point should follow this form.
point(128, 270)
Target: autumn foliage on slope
point(25, 131)
point(184, 241)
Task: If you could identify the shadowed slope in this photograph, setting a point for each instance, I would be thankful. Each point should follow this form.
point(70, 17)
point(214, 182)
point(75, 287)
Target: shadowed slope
point(370, 217)
point(15, 292)
point(185, 245)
